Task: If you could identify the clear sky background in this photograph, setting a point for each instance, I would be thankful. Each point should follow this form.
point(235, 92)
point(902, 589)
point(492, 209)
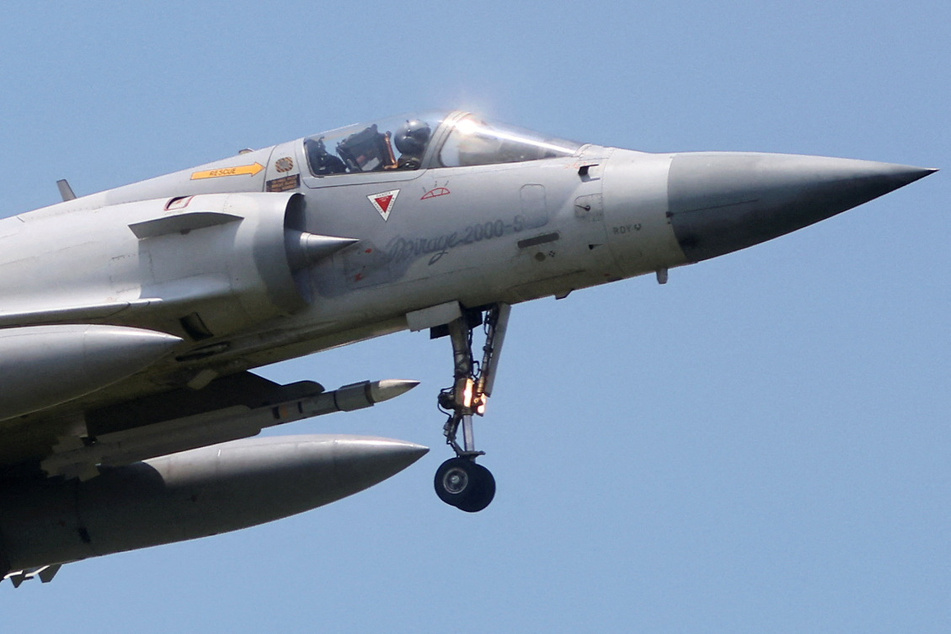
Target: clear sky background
point(761, 445)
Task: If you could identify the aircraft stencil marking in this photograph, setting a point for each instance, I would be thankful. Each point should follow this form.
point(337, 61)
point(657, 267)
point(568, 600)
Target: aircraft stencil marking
point(240, 170)
point(284, 184)
point(436, 192)
point(627, 228)
point(383, 202)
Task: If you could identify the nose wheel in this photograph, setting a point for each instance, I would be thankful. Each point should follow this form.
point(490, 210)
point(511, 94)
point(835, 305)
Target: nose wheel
point(465, 484)
point(461, 481)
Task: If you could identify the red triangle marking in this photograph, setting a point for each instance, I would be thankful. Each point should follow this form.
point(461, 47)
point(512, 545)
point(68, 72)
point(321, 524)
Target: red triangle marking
point(384, 202)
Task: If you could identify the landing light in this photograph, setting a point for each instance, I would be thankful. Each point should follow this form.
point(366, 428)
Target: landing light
point(467, 394)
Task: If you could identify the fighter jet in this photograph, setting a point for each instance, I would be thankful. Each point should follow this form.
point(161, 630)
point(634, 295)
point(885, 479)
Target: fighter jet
point(131, 319)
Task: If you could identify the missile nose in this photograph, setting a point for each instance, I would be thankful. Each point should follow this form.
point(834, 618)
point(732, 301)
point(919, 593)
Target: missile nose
point(390, 388)
point(724, 201)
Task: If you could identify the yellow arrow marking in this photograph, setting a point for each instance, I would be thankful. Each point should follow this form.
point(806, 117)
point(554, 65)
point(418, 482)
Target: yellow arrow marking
point(250, 170)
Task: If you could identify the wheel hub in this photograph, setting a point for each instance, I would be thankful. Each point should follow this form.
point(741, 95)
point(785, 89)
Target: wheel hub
point(456, 481)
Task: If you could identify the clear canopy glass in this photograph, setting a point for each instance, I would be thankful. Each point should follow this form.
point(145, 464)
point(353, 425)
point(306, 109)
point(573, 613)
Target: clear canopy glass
point(409, 142)
point(473, 141)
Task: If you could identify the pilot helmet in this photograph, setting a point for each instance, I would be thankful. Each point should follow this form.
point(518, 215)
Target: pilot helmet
point(412, 137)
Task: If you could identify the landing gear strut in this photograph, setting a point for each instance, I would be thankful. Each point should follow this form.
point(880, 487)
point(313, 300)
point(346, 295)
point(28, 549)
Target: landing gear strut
point(460, 481)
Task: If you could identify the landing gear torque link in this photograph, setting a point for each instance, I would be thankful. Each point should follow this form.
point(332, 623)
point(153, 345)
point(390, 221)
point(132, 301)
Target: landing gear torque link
point(460, 481)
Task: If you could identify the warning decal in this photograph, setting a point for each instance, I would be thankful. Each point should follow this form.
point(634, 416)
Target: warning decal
point(383, 202)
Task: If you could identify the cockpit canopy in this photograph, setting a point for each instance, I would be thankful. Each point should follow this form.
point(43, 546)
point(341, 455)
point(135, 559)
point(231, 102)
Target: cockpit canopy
point(428, 140)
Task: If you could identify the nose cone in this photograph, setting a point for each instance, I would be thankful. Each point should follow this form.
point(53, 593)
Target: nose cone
point(723, 201)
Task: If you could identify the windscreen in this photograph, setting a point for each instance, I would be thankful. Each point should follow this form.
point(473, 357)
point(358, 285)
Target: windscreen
point(473, 141)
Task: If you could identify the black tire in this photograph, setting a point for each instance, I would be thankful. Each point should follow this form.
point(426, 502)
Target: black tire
point(462, 483)
point(483, 492)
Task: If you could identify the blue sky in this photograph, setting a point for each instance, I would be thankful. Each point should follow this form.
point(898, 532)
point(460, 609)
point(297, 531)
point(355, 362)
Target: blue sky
point(760, 445)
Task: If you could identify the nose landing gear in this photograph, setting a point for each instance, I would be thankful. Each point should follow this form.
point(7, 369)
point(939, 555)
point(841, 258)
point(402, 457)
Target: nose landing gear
point(460, 481)
point(465, 484)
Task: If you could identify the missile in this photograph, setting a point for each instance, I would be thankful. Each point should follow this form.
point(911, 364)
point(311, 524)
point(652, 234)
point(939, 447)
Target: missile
point(76, 459)
point(188, 495)
point(43, 366)
point(345, 399)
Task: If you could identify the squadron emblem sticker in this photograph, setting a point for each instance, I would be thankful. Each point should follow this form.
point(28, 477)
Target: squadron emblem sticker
point(383, 202)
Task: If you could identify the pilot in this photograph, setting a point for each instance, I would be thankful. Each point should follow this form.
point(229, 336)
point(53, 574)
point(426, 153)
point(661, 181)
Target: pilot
point(411, 140)
point(321, 161)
